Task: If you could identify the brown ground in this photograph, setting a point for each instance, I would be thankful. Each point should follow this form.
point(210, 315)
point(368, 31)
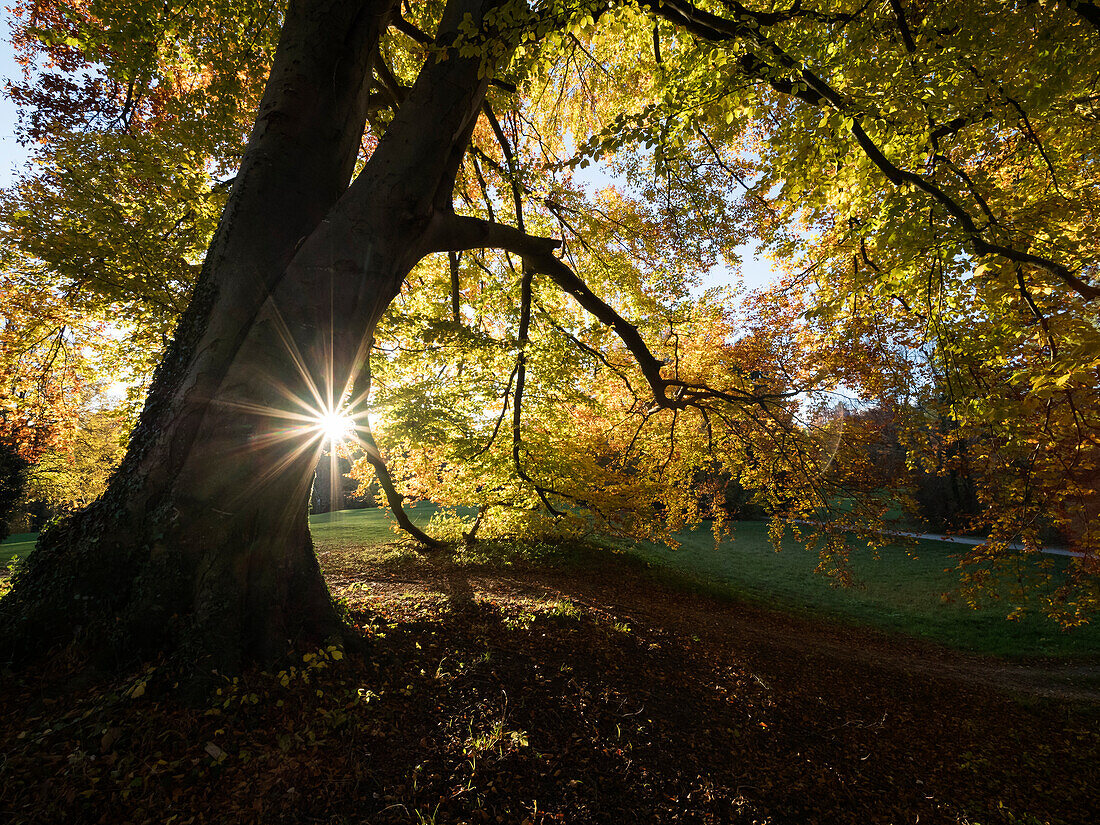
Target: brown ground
point(589, 693)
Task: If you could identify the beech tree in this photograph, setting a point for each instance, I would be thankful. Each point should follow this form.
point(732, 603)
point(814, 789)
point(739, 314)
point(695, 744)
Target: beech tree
point(406, 209)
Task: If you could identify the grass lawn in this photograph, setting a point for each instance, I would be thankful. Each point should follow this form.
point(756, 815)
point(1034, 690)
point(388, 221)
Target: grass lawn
point(896, 592)
point(17, 544)
point(363, 527)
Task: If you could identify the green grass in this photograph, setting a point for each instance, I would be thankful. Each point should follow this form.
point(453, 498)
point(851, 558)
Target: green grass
point(372, 530)
point(896, 593)
point(363, 527)
point(17, 544)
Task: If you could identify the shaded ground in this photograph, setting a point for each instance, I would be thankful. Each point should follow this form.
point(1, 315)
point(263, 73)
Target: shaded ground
point(583, 692)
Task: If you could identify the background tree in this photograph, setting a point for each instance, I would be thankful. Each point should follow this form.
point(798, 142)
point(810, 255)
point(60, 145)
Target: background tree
point(73, 475)
point(13, 469)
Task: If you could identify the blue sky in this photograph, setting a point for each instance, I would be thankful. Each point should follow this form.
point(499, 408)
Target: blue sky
point(11, 154)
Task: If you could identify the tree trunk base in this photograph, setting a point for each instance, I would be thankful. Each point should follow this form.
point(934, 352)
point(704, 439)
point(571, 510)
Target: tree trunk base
point(215, 600)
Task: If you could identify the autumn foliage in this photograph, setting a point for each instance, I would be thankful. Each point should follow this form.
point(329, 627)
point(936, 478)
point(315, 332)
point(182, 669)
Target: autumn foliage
point(921, 175)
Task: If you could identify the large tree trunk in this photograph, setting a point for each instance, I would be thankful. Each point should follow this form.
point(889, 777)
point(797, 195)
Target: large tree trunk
point(165, 557)
point(201, 544)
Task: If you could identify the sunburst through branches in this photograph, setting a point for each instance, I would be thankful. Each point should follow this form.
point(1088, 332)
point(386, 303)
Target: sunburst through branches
point(336, 427)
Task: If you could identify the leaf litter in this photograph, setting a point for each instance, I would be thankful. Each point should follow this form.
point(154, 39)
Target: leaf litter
point(557, 693)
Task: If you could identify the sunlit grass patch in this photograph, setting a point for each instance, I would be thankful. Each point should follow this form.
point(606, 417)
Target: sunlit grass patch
point(904, 589)
point(17, 545)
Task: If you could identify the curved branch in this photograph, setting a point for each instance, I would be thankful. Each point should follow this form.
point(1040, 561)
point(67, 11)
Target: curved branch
point(461, 232)
point(382, 472)
point(500, 418)
point(588, 350)
point(393, 498)
point(1026, 294)
point(454, 232)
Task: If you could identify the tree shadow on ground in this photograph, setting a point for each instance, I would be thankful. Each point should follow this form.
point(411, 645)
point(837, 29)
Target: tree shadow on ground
point(584, 695)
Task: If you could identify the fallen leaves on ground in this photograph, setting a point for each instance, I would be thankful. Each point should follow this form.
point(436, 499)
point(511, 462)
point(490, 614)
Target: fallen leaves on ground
point(541, 695)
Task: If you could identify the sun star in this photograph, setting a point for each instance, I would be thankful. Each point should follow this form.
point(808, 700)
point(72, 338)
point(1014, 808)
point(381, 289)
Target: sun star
point(336, 427)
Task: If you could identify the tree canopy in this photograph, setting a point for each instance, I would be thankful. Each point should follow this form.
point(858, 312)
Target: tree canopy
point(548, 353)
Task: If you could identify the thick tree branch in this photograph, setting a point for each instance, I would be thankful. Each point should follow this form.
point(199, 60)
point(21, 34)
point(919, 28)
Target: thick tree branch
point(386, 79)
point(406, 28)
point(461, 232)
point(903, 26)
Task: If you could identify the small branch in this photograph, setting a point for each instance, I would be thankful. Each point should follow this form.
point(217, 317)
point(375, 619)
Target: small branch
point(903, 27)
point(510, 158)
point(481, 182)
point(951, 127)
point(875, 268)
point(456, 298)
point(1022, 285)
point(500, 418)
point(393, 498)
point(970, 185)
point(521, 376)
point(749, 191)
point(1034, 139)
point(523, 336)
